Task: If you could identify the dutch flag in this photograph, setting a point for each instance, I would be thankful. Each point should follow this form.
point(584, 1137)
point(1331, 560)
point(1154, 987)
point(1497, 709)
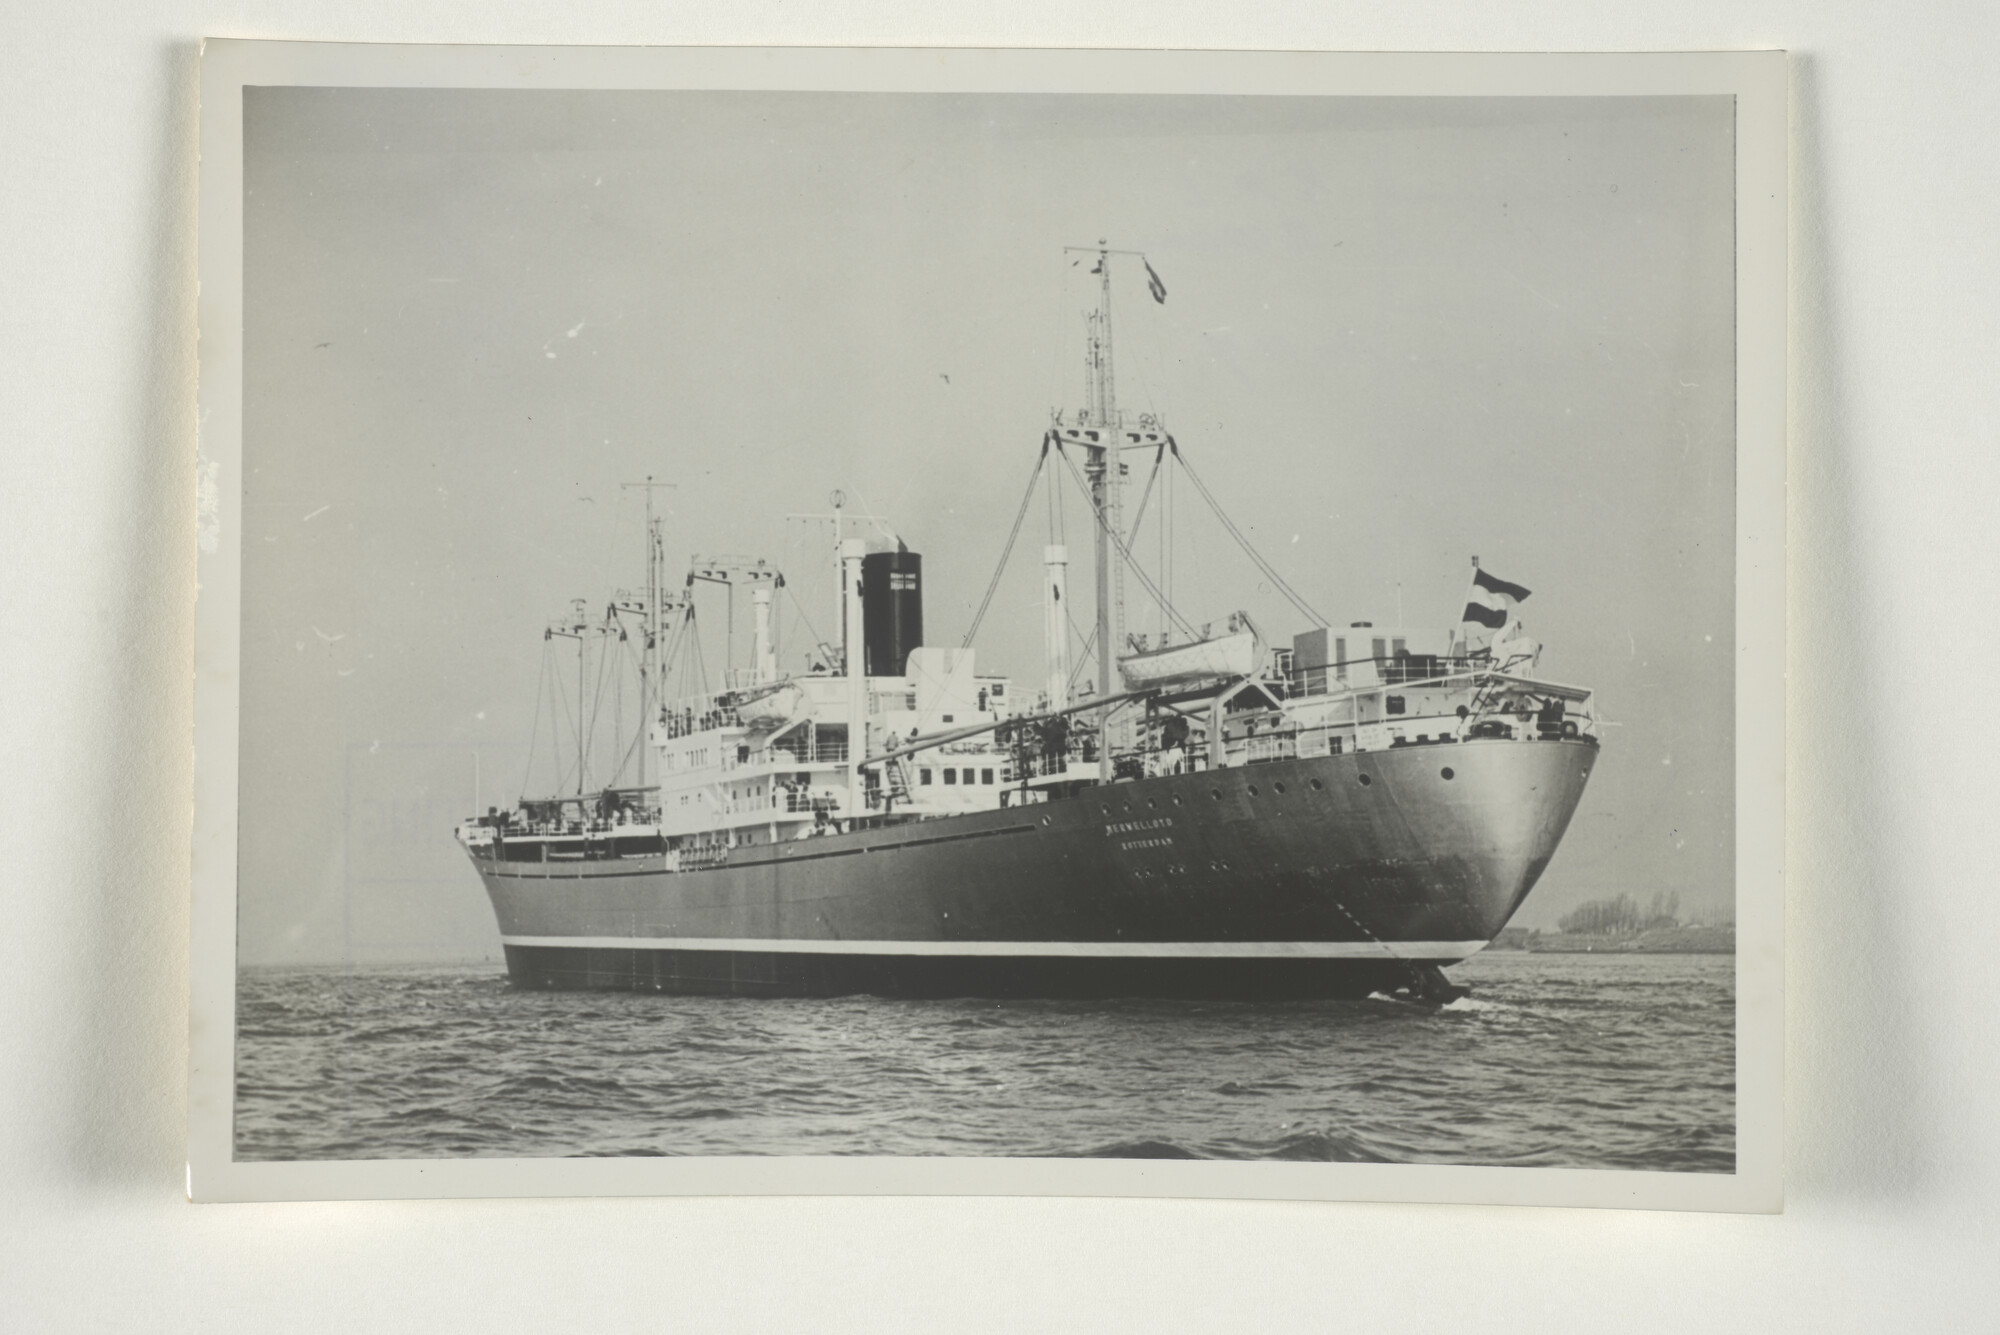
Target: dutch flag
point(1493, 600)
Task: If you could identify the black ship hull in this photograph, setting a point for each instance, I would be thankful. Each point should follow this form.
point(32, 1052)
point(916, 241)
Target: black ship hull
point(1329, 877)
point(801, 974)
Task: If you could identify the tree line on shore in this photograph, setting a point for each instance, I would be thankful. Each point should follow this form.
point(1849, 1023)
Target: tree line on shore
point(1623, 915)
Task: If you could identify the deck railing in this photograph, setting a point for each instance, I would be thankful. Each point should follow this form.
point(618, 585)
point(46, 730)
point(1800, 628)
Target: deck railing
point(696, 859)
point(798, 802)
point(1368, 674)
point(787, 756)
point(687, 722)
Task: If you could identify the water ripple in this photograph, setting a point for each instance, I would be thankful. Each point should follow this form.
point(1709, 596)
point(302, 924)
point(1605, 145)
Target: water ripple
point(1572, 1061)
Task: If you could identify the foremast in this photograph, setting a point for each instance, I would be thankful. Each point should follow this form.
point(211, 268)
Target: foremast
point(650, 611)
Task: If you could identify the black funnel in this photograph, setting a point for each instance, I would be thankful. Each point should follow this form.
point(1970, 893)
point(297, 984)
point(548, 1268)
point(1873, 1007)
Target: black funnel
point(892, 610)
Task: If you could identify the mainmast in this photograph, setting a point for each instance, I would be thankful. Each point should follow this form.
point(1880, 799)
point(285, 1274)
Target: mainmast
point(1105, 472)
point(1107, 485)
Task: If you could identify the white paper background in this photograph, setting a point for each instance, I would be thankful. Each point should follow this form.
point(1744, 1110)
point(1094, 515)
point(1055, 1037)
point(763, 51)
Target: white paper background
point(1890, 1221)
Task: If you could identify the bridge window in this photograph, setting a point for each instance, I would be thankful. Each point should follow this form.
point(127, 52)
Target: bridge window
point(923, 777)
point(968, 776)
point(1393, 703)
point(986, 776)
point(951, 776)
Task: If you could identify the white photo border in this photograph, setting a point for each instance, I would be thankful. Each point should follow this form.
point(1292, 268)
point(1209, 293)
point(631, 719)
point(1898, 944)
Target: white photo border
point(1757, 80)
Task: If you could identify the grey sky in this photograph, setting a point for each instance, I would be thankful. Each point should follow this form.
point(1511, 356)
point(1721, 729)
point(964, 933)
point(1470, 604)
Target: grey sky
point(1398, 332)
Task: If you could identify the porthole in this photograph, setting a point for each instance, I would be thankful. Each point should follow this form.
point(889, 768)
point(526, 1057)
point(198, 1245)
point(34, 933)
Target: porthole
point(1447, 773)
point(1045, 820)
point(1314, 784)
point(1152, 805)
point(1177, 799)
point(1215, 793)
point(1252, 790)
point(1278, 788)
point(1365, 780)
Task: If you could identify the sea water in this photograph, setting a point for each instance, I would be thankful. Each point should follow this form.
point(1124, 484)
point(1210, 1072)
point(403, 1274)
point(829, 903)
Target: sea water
point(1580, 1061)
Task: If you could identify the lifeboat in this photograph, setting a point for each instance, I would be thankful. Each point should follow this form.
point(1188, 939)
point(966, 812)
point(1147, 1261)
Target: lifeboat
point(1231, 655)
point(772, 707)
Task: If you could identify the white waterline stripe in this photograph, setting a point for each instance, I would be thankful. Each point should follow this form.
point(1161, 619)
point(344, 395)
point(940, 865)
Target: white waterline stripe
point(1324, 950)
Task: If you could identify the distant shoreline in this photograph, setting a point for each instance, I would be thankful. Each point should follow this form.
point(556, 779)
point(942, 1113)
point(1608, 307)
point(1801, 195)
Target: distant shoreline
point(1701, 940)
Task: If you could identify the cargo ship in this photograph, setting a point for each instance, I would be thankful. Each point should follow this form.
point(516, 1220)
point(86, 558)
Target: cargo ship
point(1201, 812)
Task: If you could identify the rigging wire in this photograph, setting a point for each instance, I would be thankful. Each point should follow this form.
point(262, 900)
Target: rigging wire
point(804, 620)
point(1168, 535)
point(1027, 499)
point(1139, 519)
point(1059, 516)
point(868, 514)
point(1242, 541)
point(619, 710)
point(1131, 562)
point(639, 737)
point(560, 693)
point(1089, 652)
point(1049, 505)
point(1164, 525)
point(1139, 515)
point(535, 729)
point(700, 658)
point(596, 710)
point(607, 666)
point(674, 658)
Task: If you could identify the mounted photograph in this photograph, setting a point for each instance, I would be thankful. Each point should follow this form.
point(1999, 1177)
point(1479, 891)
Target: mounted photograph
point(990, 622)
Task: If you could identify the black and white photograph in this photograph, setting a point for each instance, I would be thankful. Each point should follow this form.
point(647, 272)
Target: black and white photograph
point(954, 668)
point(965, 624)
